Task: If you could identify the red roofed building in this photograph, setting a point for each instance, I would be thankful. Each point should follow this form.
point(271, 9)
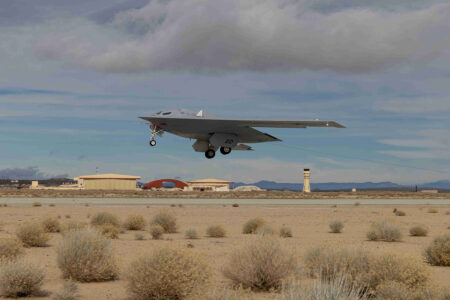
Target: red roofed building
point(157, 184)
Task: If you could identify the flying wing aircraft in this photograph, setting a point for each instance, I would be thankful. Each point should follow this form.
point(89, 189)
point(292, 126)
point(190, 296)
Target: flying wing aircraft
point(212, 133)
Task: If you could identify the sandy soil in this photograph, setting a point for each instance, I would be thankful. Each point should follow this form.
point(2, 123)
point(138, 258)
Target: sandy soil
point(27, 193)
point(309, 225)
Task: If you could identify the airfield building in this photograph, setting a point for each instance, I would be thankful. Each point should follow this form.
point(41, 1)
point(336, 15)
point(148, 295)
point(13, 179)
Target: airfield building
point(208, 185)
point(107, 182)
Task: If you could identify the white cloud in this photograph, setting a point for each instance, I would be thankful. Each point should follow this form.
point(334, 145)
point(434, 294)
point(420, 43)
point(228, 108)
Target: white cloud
point(255, 35)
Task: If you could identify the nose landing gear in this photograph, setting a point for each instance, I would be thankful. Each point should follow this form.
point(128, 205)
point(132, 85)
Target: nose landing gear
point(152, 142)
point(155, 131)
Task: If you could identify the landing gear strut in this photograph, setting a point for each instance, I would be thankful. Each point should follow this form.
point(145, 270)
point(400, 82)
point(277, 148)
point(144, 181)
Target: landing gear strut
point(210, 153)
point(225, 150)
point(155, 131)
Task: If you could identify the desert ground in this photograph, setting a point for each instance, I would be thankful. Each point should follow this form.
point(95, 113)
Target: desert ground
point(309, 224)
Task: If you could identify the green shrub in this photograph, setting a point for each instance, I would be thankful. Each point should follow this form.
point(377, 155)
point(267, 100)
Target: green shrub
point(261, 265)
point(168, 273)
point(19, 279)
point(86, 256)
point(109, 231)
point(166, 220)
point(191, 234)
point(400, 213)
point(103, 218)
point(386, 231)
point(32, 235)
point(10, 249)
point(285, 232)
point(336, 226)
point(69, 292)
point(438, 253)
point(215, 231)
point(135, 222)
point(418, 230)
point(252, 225)
point(156, 231)
point(51, 225)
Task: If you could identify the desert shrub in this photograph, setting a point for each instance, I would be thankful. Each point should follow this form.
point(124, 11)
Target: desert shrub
point(432, 210)
point(86, 256)
point(52, 205)
point(386, 231)
point(357, 203)
point(135, 222)
point(103, 218)
point(372, 235)
point(32, 235)
point(51, 224)
point(261, 265)
point(447, 212)
point(438, 253)
point(235, 205)
point(73, 226)
point(400, 213)
point(385, 268)
point(418, 230)
point(336, 226)
point(139, 237)
point(173, 205)
point(37, 204)
point(285, 232)
point(191, 234)
point(215, 231)
point(67, 216)
point(336, 289)
point(394, 210)
point(166, 220)
point(328, 263)
point(266, 230)
point(156, 231)
point(10, 249)
point(168, 273)
point(19, 279)
point(252, 225)
point(393, 291)
point(69, 292)
point(109, 231)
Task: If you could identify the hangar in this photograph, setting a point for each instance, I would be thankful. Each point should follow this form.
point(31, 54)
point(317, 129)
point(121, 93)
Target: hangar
point(107, 182)
point(164, 183)
point(210, 184)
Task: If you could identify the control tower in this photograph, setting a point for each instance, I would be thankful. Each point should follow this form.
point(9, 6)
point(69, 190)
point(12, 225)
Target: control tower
point(306, 185)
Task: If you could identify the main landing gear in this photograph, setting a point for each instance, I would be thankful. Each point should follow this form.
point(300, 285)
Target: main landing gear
point(210, 153)
point(225, 150)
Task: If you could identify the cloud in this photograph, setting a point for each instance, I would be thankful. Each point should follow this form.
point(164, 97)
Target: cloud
point(27, 174)
point(255, 35)
point(415, 105)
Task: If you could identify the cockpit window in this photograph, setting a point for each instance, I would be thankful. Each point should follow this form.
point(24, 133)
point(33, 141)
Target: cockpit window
point(167, 113)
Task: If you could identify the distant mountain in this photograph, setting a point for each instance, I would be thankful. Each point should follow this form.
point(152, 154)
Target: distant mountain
point(325, 186)
point(441, 184)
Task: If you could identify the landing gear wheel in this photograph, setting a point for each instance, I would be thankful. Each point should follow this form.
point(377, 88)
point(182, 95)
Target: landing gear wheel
point(225, 150)
point(210, 153)
point(152, 143)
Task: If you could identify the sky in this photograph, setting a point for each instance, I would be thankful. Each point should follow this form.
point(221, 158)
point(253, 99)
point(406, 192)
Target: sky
point(76, 75)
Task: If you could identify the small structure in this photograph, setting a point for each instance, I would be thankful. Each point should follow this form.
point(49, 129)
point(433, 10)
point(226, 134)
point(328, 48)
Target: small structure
point(210, 185)
point(34, 184)
point(306, 177)
point(248, 188)
point(108, 182)
point(162, 183)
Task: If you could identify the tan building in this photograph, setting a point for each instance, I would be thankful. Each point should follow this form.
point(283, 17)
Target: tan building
point(107, 182)
point(210, 184)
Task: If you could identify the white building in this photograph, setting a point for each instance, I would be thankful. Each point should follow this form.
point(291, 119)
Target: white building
point(208, 185)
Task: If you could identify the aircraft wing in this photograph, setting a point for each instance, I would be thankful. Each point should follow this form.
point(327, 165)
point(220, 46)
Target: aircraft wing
point(287, 124)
